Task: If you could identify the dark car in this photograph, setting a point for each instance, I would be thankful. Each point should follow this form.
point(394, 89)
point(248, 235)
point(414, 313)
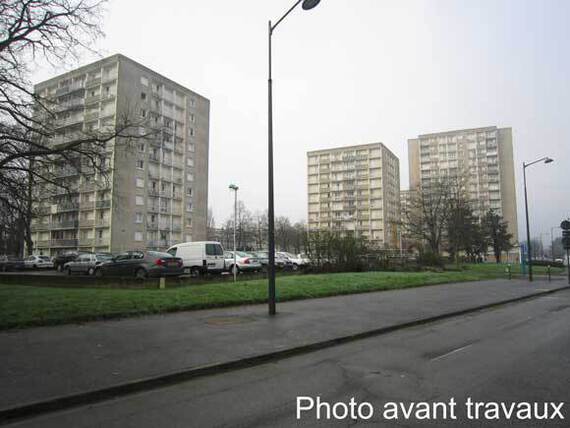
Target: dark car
point(141, 264)
point(10, 263)
point(61, 259)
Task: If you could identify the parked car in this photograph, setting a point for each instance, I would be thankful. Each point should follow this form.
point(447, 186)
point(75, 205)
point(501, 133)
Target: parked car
point(200, 257)
point(141, 264)
point(244, 262)
point(297, 261)
point(87, 263)
point(61, 259)
point(11, 263)
point(262, 256)
point(281, 262)
point(38, 262)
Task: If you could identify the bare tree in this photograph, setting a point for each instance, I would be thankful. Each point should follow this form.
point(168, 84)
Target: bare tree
point(34, 147)
point(428, 212)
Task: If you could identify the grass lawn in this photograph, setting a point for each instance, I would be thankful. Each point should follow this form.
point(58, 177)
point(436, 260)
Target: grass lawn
point(25, 306)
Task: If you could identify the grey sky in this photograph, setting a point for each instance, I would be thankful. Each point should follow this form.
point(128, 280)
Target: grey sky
point(360, 71)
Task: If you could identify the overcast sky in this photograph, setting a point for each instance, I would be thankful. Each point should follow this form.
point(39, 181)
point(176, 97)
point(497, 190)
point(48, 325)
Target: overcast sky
point(360, 71)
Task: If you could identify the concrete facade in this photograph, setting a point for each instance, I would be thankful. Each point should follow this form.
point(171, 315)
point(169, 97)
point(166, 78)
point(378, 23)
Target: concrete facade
point(482, 156)
point(156, 191)
point(355, 189)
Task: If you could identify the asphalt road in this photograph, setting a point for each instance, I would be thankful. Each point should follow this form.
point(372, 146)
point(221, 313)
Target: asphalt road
point(517, 353)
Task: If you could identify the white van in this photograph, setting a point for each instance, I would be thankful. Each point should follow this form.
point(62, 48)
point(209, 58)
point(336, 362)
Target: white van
point(200, 257)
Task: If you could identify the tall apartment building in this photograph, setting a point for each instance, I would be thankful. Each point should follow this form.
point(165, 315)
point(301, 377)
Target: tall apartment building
point(482, 156)
point(156, 190)
point(357, 189)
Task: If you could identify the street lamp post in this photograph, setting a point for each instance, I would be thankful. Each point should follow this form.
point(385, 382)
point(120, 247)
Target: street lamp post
point(235, 189)
point(307, 5)
point(552, 242)
point(528, 245)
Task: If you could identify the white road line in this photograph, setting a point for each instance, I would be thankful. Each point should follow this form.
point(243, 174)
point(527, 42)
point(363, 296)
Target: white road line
point(450, 353)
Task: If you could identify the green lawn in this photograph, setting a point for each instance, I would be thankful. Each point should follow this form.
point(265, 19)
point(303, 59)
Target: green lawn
point(24, 306)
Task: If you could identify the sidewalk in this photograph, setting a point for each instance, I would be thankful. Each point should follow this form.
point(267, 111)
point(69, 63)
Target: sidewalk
point(48, 362)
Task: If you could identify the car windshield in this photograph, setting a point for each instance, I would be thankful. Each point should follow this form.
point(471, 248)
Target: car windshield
point(104, 257)
point(242, 254)
point(43, 258)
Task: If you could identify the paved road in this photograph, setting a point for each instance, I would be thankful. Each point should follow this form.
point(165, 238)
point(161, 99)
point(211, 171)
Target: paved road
point(42, 363)
point(519, 352)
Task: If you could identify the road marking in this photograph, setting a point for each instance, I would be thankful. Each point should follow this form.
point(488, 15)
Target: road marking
point(451, 353)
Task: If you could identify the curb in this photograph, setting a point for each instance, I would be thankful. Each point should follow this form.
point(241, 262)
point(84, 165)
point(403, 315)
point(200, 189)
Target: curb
point(145, 384)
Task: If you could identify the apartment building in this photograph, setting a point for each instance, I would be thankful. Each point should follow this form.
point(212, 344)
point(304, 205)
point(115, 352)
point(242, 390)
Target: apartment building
point(355, 189)
point(482, 157)
point(156, 189)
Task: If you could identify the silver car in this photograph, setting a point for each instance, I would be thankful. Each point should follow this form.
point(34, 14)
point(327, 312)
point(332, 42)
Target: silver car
point(245, 262)
point(86, 263)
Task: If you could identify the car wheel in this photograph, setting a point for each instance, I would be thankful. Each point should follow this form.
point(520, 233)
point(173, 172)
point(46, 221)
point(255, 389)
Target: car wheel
point(98, 273)
point(140, 274)
point(187, 271)
point(34, 267)
point(295, 266)
point(195, 272)
point(236, 267)
point(91, 271)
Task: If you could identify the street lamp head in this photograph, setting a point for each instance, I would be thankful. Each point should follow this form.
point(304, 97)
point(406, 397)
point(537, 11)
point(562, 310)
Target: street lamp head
point(233, 187)
point(548, 160)
point(309, 4)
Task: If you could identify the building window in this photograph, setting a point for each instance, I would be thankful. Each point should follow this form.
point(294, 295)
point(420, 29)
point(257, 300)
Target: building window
point(190, 177)
point(140, 183)
point(138, 236)
point(138, 218)
point(144, 81)
point(139, 200)
point(191, 132)
point(140, 164)
point(143, 96)
point(141, 147)
point(143, 112)
point(192, 117)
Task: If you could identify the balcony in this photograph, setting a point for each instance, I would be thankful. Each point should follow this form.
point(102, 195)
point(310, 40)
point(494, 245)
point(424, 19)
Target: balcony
point(161, 243)
point(87, 205)
point(92, 115)
point(86, 223)
point(62, 243)
point(93, 81)
point(42, 244)
point(152, 225)
point(102, 222)
point(67, 206)
point(40, 226)
point(68, 121)
point(101, 242)
point(88, 242)
point(103, 204)
point(70, 224)
point(92, 99)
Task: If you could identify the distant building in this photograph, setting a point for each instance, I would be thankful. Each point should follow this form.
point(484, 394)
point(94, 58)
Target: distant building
point(355, 189)
point(482, 156)
point(157, 190)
